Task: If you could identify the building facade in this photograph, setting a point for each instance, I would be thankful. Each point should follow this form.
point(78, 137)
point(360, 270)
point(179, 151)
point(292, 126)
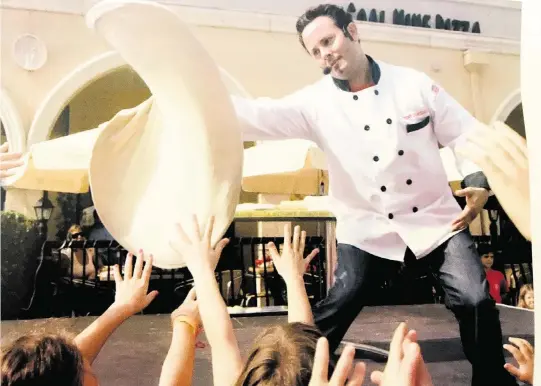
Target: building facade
point(58, 78)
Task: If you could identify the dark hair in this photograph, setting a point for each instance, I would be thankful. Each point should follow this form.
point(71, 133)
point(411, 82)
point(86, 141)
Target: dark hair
point(484, 248)
point(42, 360)
point(282, 355)
point(340, 17)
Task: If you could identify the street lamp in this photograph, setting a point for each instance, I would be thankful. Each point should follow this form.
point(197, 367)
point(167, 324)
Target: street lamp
point(43, 208)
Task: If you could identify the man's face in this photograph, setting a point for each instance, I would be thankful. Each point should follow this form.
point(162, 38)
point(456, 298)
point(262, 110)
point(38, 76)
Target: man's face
point(329, 46)
point(487, 259)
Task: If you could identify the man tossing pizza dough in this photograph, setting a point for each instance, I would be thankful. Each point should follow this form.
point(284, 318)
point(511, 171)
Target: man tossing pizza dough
point(380, 126)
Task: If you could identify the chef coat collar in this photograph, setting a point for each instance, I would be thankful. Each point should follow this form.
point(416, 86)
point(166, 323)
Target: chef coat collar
point(374, 70)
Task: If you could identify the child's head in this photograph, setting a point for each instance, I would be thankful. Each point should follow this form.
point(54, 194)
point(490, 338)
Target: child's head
point(487, 256)
point(282, 355)
point(525, 297)
point(45, 360)
point(487, 259)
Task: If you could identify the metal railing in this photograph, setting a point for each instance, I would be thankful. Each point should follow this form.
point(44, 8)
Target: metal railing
point(71, 280)
point(76, 278)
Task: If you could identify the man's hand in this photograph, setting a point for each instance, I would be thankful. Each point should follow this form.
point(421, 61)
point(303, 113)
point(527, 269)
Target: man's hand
point(292, 264)
point(9, 161)
point(405, 366)
point(320, 369)
point(196, 249)
point(476, 198)
point(131, 291)
point(524, 355)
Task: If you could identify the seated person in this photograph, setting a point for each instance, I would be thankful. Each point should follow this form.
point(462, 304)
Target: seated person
point(44, 360)
point(81, 257)
point(496, 280)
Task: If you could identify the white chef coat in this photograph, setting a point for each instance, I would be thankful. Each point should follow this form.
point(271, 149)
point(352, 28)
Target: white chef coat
point(387, 185)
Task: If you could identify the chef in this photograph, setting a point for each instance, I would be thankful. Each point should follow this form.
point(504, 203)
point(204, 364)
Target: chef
point(380, 126)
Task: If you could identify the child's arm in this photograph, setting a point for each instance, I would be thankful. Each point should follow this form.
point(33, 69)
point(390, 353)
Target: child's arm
point(131, 297)
point(177, 369)
point(201, 260)
point(291, 266)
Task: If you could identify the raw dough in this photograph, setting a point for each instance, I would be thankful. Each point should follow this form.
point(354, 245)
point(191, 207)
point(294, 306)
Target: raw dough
point(181, 152)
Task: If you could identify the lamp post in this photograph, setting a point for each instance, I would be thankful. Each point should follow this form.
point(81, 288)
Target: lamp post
point(43, 208)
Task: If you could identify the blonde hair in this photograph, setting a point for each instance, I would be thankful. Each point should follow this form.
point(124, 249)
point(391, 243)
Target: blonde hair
point(74, 229)
point(524, 290)
point(282, 355)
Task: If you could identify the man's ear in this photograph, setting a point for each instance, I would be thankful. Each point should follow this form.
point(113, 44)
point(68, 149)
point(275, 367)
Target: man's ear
point(352, 31)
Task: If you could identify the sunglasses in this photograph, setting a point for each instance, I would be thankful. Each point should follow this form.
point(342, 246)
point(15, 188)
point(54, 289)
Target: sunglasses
point(75, 235)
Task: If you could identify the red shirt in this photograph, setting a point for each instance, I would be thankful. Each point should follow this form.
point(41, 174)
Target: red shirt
point(497, 283)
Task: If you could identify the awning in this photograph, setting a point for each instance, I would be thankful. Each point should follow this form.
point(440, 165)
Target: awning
point(284, 167)
point(57, 165)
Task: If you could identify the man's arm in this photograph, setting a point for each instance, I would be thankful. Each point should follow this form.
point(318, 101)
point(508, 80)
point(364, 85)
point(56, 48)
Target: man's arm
point(452, 122)
point(289, 117)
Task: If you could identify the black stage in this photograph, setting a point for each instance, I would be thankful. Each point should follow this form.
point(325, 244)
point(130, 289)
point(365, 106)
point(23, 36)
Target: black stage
point(135, 352)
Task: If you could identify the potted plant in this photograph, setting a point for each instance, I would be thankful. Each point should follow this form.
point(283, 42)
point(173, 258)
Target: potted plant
point(20, 250)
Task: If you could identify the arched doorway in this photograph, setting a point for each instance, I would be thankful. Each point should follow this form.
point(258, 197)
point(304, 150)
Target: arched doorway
point(515, 120)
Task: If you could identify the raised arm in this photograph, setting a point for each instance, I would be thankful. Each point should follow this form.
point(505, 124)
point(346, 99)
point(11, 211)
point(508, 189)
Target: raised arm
point(291, 265)
point(177, 369)
point(201, 260)
point(290, 117)
point(131, 298)
point(452, 123)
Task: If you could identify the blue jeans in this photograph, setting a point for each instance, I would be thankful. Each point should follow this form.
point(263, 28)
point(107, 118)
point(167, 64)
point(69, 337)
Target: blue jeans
point(457, 265)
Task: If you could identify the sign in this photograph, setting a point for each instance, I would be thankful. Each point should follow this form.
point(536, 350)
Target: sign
point(400, 17)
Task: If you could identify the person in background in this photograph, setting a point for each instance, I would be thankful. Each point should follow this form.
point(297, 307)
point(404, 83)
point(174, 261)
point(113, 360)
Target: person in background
point(525, 297)
point(82, 260)
point(498, 287)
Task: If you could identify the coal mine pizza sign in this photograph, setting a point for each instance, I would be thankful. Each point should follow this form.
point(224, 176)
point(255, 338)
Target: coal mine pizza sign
point(402, 17)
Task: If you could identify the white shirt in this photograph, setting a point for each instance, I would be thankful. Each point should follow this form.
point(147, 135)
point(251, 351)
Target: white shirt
point(387, 184)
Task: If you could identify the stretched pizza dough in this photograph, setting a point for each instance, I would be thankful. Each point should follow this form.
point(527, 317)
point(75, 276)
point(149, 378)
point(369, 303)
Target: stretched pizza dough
point(181, 153)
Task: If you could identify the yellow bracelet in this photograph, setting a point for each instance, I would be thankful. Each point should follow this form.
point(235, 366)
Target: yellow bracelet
point(186, 319)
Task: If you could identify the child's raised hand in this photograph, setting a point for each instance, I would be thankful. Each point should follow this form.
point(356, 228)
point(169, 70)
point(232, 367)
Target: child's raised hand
point(196, 249)
point(292, 264)
point(131, 291)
